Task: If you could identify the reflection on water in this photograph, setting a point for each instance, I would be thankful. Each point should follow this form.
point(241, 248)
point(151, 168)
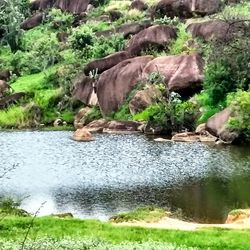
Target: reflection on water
point(120, 172)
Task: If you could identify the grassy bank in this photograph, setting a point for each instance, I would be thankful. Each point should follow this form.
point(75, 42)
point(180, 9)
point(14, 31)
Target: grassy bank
point(15, 229)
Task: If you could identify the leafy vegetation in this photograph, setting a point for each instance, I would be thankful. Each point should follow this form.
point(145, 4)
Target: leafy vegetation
point(147, 214)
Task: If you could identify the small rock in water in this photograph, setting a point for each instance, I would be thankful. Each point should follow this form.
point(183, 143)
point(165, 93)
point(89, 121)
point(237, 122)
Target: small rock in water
point(82, 134)
point(162, 140)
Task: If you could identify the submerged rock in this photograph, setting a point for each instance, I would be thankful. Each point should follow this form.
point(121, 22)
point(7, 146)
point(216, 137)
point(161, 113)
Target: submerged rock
point(82, 135)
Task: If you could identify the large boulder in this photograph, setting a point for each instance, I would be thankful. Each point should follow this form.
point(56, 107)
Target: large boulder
point(239, 216)
point(143, 99)
point(185, 8)
point(4, 87)
point(125, 29)
point(41, 4)
point(138, 5)
point(72, 6)
point(6, 101)
point(82, 135)
point(5, 74)
point(217, 126)
point(214, 29)
point(81, 117)
point(84, 90)
point(182, 74)
point(33, 21)
point(97, 125)
point(107, 62)
point(117, 127)
point(157, 35)
point(114, 84)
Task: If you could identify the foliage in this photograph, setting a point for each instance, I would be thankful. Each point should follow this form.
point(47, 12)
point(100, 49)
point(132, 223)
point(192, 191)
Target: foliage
point(38, 56)
point(69, 243)
point(14, 116)
point(12, 14)
point(94, 114)
point(81, 38)
point(10, 207)
point(241, 114)
point(168, 21)
point(59, 19)
point(14, 229)
point(147, 214)
point(180, 45)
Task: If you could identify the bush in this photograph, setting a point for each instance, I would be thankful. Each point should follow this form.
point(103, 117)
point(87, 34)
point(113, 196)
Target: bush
point(81, 38)
point(37, 56)
point(60, 20)
point(12, 14)
point(241, 114)
point(10, 207)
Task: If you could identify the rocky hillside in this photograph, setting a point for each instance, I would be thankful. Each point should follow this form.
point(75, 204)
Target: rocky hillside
point(162, 66)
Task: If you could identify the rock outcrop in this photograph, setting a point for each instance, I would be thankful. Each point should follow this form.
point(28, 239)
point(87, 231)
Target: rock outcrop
point(82, 135)
point(209, 30)
point(125, 29)
point(239, 216)
point(144, 98)
point(5, 75)
point(217, 126)
point(72, 6)
point(106, 63)
point(157, 35)
point(122, 127)
point(33, 21)
point(81, 117)
point(84, 90)
point(97, 125)
point(185, 8)
point(182, 74)
point(6, 101)
point(139, 5)
point(114, 84)
point(4, 87)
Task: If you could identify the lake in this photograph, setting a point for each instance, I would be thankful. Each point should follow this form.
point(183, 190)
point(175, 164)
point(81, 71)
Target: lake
point(117, 173)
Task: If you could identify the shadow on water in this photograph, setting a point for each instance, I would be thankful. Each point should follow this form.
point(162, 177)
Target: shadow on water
point(119, 173)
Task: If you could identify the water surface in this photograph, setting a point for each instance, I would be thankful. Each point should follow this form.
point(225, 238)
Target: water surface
point(117, 173)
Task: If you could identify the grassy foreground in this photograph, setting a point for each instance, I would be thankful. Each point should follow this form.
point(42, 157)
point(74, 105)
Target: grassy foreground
point(91, 234)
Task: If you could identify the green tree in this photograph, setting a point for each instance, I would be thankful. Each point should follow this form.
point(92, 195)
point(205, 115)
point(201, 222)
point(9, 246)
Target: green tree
point(12, 14)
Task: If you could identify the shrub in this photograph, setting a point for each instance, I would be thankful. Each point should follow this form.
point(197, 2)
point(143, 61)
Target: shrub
point(37, 56)
point(82, 37)
point(12, 14)
point(10, 207)
point(241, 109)
point(59, 19)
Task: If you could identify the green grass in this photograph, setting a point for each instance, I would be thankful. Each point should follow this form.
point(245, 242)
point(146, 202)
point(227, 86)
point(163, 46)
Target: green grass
point(14, 228)
point(14, 116)
point(147, 214)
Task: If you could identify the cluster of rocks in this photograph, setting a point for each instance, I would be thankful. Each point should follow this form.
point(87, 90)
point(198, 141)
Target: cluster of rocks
point(122, 71)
